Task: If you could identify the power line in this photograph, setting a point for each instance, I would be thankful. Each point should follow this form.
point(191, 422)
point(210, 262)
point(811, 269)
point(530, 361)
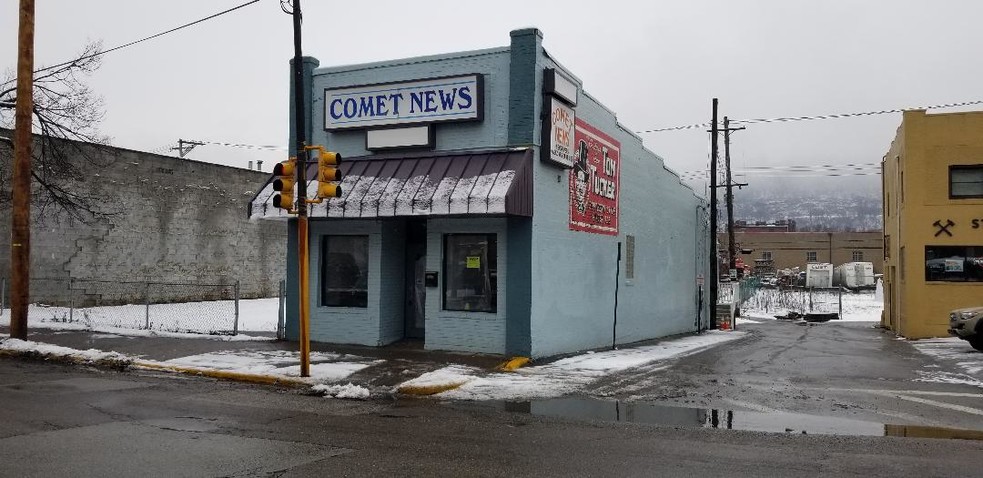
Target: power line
point(267, 147)
point(784, 119)
point(120, 47)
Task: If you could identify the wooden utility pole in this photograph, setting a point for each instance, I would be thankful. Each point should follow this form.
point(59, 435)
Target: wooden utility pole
point(713, 279)
point(300, 129)
point(20, 218)
point(731, 243)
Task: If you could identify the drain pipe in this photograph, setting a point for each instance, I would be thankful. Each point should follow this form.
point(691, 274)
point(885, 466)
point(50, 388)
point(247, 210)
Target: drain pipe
point(617, 282)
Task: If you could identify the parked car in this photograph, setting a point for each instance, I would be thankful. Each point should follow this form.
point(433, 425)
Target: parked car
point(967, 324)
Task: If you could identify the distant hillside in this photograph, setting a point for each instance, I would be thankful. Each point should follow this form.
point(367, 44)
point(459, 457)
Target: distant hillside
point(818, 206)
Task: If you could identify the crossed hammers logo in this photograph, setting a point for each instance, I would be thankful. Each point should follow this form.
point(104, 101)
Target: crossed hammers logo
point(943, 227)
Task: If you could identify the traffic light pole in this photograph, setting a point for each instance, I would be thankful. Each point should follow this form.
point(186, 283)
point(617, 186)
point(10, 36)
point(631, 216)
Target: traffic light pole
point(300, 129)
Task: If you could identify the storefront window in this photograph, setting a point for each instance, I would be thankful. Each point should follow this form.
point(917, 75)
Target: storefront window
point(954, 263)
point(344, 271)
point(471, 272)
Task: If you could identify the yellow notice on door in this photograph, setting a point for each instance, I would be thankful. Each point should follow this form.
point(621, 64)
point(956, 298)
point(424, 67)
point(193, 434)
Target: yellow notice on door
point(474, 262)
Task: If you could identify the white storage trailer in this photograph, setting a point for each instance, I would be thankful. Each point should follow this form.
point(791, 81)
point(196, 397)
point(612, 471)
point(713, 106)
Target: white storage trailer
point(854, 275)
point(819, 275)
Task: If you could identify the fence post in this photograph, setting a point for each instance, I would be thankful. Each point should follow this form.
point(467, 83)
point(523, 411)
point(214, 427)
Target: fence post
point(146, 301)
point(280, 326)
point(839, 313)
point(810, 299)
point(71, 302)
point(235, 325)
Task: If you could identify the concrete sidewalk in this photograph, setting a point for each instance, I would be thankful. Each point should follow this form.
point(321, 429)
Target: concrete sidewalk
point(375, 368)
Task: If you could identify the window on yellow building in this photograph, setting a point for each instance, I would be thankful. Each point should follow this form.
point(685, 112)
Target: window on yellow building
point(966, 181)
point(811, 256)
point(858, 256)
point(954, 263)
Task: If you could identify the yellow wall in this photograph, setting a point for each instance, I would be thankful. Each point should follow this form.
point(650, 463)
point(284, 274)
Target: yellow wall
point(789, 249)
point(916, 194)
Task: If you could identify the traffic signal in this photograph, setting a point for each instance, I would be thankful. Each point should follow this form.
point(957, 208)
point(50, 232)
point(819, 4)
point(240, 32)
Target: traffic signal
point(286, 173)
point(328, 173)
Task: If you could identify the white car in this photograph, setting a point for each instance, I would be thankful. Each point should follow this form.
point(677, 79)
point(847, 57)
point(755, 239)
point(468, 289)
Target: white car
point(967, 324)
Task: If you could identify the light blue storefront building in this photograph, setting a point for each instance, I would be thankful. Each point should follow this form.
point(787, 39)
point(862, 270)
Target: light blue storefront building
point(486, 199)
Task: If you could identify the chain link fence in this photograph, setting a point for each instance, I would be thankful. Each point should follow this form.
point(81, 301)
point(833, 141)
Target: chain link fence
point(798, 300)
point(157, 306)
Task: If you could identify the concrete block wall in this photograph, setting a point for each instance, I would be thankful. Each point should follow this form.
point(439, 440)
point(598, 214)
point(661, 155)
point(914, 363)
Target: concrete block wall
point(169, 220)
point(482, 332)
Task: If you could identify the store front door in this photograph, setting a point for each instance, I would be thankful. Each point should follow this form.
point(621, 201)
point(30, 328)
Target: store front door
point(416, 266)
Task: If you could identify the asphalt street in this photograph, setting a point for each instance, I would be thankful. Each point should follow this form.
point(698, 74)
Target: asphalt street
point(850, 371)
point(59, 420)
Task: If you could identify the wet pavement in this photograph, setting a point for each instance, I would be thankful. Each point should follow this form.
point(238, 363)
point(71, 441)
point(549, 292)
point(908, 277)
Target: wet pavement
point(793, 373)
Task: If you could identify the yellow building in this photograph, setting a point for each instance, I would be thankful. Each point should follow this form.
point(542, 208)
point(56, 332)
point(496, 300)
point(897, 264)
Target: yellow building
point(933, 221)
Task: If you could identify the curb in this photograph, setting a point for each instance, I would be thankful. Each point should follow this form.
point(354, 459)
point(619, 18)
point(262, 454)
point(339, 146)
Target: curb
point(425, 390)
point(513, 364)
point(223, 374)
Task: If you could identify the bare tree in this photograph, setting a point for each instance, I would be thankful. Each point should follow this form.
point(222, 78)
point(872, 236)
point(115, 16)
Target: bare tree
point(66, 115)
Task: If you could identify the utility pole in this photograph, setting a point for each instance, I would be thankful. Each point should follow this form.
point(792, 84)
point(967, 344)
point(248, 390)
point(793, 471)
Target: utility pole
point(713, 219)
point(185, 147)
point(300, 129)
point(20, 218)
point(731, 245)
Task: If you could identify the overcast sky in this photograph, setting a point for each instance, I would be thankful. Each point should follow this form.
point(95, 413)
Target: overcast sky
point(656, 64)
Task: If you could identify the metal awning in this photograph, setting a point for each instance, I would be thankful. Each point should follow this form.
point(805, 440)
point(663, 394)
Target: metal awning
point(461, 183)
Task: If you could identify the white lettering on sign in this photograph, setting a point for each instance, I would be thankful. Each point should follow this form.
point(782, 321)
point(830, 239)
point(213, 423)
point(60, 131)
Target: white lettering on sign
point(457, 98)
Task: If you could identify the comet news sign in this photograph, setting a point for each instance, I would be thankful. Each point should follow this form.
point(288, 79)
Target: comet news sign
point(560, 133)
point(453, 98)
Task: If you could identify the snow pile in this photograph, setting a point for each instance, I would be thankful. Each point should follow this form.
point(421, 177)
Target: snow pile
point(560, 377)
point(325, 367)
point(355, 392)
point(48, 350)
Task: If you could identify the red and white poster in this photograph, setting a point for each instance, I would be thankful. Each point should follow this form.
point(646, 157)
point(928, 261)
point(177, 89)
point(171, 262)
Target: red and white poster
point(594, 181)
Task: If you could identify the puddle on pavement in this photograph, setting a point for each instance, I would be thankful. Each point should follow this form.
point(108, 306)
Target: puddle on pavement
point(774, 422)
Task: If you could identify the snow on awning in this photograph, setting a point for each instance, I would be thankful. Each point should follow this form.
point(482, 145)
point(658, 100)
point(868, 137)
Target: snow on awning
point(479, 183)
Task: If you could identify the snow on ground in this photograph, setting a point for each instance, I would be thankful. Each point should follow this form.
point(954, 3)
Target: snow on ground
point(864, 306)
point(349, 390)
point(90, 355)
point(563, 376)
point(954, 351)
point(325, 367)
point(166, 320)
